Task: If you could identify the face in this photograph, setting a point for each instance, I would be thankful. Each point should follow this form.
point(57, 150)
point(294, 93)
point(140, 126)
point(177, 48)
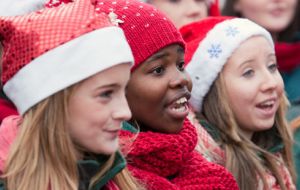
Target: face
point(182, 12)
point(158, 91)
point(254, 85)
point(97, 108)
point(275, 16)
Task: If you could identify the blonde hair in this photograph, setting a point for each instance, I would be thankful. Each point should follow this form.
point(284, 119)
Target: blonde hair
point(247, 158)
point(43, 155)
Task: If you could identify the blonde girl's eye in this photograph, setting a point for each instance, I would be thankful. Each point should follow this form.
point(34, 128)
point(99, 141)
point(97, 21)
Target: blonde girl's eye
point(106, 94)
point(273, 67)
point(248, 73)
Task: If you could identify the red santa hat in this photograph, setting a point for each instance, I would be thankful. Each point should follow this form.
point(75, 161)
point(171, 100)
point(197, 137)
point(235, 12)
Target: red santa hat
point(53, 48)
point(210, 42)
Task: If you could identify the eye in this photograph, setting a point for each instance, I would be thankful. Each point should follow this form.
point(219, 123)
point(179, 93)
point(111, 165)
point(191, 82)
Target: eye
point(158, 70)
point(248, 73)
point(180, 66)
point(106, 94)
point(273, 67)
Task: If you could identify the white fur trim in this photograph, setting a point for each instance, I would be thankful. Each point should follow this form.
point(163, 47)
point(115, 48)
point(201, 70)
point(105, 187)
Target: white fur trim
point(20, 7)
point(67, 64)
point(225, 37)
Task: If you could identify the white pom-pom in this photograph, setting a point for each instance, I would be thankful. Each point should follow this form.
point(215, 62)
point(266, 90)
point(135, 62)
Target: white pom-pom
point(20, 7)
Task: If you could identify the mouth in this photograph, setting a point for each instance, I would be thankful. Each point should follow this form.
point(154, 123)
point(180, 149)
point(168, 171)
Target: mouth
point(178, 108)
point(112, 133)
point(268, 107)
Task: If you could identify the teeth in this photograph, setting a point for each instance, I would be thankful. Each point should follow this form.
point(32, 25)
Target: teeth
point(181, 100)
point(180, 109)
point(268, 103)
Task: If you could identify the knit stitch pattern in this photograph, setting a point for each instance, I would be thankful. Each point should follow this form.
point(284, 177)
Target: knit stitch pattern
point(169, 161)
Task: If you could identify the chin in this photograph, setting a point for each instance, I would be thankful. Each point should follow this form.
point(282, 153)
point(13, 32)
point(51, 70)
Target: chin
point(108, 149)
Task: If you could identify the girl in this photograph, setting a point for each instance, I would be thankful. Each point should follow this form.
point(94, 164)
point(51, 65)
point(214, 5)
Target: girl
point(162, 155)
point(238, 98)
point(69, 86)
point(182, 12)
point(281, 19)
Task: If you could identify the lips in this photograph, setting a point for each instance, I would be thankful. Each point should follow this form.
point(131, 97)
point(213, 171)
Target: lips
point(178, 106)
point(268, 107)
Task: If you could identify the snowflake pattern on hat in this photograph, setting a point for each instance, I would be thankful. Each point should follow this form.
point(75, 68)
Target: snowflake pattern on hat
point(210, 42)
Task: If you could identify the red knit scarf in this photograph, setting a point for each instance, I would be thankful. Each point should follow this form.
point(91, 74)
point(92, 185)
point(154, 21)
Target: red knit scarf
point(288, 55)
point(168, 161)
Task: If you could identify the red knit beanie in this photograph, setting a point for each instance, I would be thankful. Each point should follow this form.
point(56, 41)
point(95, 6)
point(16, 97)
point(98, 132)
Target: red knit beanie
point(146, 29)
point(210, 42)
point(53, 48)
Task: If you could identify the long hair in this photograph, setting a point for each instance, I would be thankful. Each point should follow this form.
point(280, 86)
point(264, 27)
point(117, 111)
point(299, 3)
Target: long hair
point(43, 155)
point(247, 159)
point(284, 36)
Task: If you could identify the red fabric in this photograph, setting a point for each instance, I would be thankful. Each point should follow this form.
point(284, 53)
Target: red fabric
point(195, 32)
point(147, 30)
point(214, 9)
point(288, 55)
point(209, 147)
point(27, 37)
point(8, 133)
point(6, 109)
point(170, 162)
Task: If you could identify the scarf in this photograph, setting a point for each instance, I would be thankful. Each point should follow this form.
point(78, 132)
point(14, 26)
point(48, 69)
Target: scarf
point(169, 161)
point(218, 154)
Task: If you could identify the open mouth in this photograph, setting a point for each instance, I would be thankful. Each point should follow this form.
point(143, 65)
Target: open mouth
point(179, 108)
point(267, 108)
point(180, 105)
point(266, 105)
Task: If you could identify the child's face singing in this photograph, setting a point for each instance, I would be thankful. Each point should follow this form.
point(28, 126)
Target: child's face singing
point(158, 91)
point(253, 84)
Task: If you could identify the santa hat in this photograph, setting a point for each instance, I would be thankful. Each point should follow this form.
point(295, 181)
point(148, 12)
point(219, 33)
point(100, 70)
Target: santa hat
point(146, 29)
point(20, 7)
point(51, 49)
point(210, 43)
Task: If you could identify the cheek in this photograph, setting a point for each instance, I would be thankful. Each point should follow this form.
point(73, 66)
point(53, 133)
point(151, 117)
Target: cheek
point(280, 86)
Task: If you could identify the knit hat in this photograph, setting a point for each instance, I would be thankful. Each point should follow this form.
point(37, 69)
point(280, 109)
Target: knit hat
point(146, 29)
point(51, 49)
point(210, 43)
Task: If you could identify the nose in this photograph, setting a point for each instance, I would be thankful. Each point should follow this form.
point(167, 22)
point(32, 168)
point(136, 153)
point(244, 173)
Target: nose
point(122, 111)
point(180, 79)
point(270, 81)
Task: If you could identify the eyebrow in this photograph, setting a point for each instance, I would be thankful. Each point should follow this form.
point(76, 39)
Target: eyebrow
point(251, 60)
point(108, 86)
point(163, 54)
